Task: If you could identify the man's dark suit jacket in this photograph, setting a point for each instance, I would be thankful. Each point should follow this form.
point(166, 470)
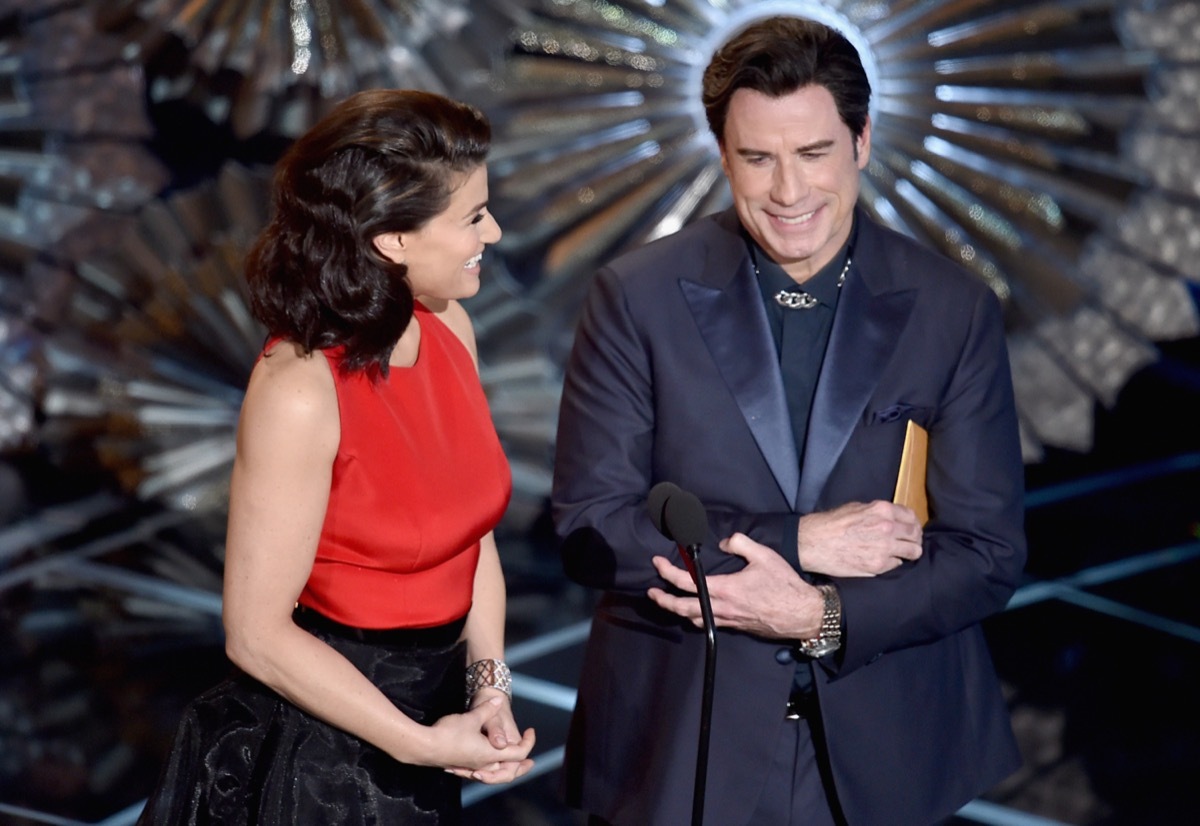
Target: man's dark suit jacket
point(674, 377)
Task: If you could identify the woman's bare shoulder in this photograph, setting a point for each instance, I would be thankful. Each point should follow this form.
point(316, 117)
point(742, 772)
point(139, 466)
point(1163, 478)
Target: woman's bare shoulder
point(291, 388)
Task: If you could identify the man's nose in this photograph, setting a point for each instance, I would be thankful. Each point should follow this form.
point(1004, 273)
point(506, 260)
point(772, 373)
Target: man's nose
point(789, 184)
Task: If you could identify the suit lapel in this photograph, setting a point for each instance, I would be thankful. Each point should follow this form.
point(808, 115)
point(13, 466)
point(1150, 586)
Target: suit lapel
point(733, 323)
point(871, 315)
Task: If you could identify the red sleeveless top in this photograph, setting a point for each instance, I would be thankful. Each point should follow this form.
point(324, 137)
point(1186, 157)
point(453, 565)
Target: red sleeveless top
point(418, 479)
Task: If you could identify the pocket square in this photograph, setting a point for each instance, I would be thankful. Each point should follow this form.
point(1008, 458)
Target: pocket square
point(898, 412)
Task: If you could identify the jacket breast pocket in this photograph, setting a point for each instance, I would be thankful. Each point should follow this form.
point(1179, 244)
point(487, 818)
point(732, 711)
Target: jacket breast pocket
point(869, 464)
point(899, 413)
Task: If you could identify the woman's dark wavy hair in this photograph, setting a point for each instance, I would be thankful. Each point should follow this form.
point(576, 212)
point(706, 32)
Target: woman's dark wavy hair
point(384, 160)
point(779, 55)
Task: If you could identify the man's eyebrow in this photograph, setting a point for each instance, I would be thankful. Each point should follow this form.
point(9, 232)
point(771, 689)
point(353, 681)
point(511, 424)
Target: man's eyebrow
point(480, 206)
point(815, 146)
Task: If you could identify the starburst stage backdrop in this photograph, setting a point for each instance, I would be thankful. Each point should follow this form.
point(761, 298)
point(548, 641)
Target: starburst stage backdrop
point(1051, 148)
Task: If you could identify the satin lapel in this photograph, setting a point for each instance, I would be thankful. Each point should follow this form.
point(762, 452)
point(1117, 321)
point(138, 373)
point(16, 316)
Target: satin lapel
point(861, 342)
point(733, 323)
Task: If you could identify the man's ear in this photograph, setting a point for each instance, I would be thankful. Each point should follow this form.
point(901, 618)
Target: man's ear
point(724, 158)
point(862, 147)
point(391, 246)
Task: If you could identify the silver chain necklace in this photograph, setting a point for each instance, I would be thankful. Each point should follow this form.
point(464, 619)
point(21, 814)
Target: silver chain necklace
point(799, 299)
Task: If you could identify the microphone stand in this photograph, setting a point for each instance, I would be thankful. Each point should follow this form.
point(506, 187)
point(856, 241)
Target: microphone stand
point(691, 558)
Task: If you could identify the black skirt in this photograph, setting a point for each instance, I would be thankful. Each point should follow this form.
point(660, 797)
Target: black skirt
point(244, 755)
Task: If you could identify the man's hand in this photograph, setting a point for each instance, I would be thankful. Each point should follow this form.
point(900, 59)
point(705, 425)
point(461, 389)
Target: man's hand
point(858, 539)
point(767, 598)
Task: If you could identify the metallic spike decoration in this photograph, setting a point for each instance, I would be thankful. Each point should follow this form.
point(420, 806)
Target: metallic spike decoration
point(74, 164)
point(158, 343)
point(72, 159)
point(273, 66)
point(18, 377)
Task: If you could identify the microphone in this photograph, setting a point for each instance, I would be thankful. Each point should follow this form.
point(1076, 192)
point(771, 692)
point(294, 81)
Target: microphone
point(680, 516)
point(657, 500)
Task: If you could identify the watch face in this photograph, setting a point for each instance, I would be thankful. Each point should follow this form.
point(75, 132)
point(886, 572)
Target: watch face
point(819, 648)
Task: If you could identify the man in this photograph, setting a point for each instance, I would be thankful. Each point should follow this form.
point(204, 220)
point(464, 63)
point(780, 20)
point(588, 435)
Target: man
point(853, 684)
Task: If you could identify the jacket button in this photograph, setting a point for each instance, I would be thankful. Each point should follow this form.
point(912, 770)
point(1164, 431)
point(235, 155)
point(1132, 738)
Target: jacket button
point(784, 656)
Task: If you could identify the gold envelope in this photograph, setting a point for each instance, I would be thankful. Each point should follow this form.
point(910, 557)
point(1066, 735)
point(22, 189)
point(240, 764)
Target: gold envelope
point(910, 481)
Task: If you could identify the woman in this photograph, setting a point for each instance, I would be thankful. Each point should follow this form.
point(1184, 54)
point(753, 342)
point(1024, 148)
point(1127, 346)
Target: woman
point(361, 573)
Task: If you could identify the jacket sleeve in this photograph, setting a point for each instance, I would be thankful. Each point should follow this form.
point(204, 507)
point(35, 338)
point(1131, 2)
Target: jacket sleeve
point(974, 545)
point(603, 456)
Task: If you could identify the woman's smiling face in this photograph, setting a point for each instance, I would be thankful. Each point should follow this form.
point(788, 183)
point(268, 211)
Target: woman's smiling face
point(443, 257)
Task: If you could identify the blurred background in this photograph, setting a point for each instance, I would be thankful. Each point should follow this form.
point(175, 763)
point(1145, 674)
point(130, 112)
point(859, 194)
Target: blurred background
point(1053, 148)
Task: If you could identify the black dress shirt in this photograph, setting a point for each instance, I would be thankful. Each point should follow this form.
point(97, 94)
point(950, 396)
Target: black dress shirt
point(801, 336)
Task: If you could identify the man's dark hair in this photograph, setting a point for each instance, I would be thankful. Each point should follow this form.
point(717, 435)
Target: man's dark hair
point(384, 160)
point(780, 55)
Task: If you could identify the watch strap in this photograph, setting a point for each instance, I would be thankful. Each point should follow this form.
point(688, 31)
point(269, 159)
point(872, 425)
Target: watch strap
point(829, 637)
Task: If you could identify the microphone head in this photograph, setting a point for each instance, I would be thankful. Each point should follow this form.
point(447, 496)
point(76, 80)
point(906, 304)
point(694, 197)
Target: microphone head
point(685, 519)
point(657, 500)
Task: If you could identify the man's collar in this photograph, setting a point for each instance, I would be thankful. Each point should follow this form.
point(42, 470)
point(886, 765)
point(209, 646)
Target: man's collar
point(823, 286)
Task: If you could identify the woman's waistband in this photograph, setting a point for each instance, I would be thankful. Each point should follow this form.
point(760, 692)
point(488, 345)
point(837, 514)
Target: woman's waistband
point(436, 636)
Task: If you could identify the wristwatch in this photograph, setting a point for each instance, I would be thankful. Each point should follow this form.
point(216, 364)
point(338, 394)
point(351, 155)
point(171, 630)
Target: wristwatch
point(829, 638)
